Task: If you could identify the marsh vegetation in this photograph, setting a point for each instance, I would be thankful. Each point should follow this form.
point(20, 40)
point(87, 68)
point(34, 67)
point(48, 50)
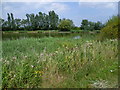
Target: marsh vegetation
point(51, 59)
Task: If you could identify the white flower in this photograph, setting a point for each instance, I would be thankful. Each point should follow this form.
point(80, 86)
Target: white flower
point(56, 51)
point(14, 58)
point(14, 75)
point(87, 41)
point(1, 59)
point(32, 66)
point(25, 56)
point(7, 62)
point(111, 70)
point(41, 54)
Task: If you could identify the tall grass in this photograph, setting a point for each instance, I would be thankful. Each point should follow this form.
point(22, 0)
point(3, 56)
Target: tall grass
point(60, 63)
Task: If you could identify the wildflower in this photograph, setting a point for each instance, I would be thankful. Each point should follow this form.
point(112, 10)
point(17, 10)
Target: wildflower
point(89, 44)
point(115, 39)
point(111, 70)
point(1, 59)
point(14, 58)
point(38, 73)
point(87, 41)
point(66, 47)
point(56, 51)
point(14, 75)
point(41, 54)
point(25, 56)
point(76, 47)
point(32, 66)
point(7, 62)
point(112, 40)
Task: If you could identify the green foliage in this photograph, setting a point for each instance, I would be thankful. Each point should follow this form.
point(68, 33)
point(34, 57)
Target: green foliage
point(1, 22)
point(75, 28)
point(40, 21)
point(43, 21)
point(98, 25)
point(88, 25)
point(91, 26)
point(53, 17)
point(111, 29)
point(65, 25)
point(84, 25)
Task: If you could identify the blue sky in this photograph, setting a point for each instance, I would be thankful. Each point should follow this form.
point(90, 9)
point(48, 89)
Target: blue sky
point(76, 11)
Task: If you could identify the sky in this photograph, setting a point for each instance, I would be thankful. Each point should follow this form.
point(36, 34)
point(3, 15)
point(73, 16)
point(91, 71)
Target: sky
point(76, 11)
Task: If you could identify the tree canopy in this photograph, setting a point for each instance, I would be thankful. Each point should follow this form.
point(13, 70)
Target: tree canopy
point(88, 25)
point(40, 21)
point(43, 21)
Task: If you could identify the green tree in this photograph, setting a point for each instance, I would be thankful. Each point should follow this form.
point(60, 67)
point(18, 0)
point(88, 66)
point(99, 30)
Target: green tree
point(40, 20)
point(1, 22)
point(24, 24)
point(9, 21)
point(46, 21)
point(88, 25)
point(36, 21)
point(65, 25)
point(28, 19)
point(91, 26)
point(53, 19)
point(84, 24)
point(13, 22)
point(98, 26)
point(18, 23)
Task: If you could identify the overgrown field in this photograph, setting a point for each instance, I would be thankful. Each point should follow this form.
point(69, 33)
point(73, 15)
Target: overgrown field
point(59, 63)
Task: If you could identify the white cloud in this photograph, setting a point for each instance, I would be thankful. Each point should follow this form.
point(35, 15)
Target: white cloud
point(10, 9)
point(20, 9)
point(35, 5)
point(109, 5)
point(29, 0)
point(48, 6)
point(58, 7)
point(60, 0)
point(98, 0)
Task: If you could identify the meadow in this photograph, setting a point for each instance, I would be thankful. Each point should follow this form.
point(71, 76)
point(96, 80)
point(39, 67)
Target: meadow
point(60, 62)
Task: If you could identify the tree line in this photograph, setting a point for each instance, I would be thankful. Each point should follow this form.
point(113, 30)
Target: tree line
point(42, 21)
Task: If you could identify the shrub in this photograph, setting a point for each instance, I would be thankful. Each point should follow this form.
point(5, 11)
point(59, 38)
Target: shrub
point(65, 25)
point(110, 30)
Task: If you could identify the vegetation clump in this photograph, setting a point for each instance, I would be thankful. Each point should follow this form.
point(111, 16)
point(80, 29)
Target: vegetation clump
point(88, 25)
point(110, 30)
point(65, 25)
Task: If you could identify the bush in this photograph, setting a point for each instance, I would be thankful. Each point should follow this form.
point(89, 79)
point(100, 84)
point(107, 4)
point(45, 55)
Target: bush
point(65, 25)
point(110, 30)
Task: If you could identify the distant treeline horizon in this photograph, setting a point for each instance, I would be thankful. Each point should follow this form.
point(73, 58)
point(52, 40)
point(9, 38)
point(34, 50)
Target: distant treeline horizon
point(42, 21)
